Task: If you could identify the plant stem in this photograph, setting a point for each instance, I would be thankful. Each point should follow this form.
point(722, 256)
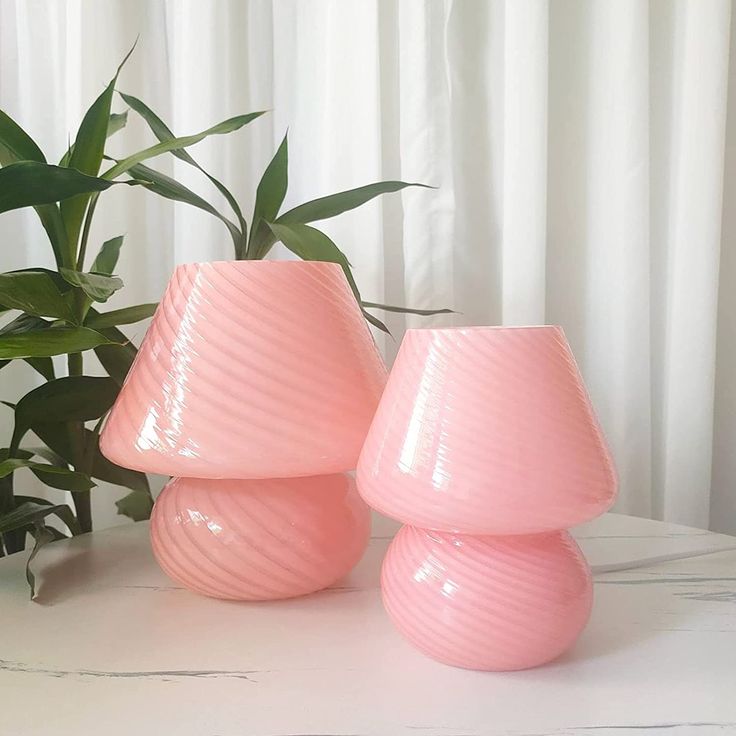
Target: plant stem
point(85, 232)
point(82, 499)
point(76, 366)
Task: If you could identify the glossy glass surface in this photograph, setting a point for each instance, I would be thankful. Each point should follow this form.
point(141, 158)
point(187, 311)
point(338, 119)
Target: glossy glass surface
point(259, 539)
point(249, 369)
point(486, 430)
point(487, 603)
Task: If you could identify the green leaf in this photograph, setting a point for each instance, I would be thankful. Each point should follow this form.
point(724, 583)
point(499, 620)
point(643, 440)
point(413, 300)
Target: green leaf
point(375, 322)
point(96, 286)
point(35, 293)
point(16, 144)
point(406, 310)
point(26, 513)
point(43, 535)
point(63, 439)
point(116, 122)
point(311, 244)
point(227, 126)
point(169, 188)
point(136, 505)
point(117, 358)
point(43, 366)
point(51, 341)
point(47, 454)
point(52, 475)
point(126, 316)
point(163, 133)
point(24, 323)
point(87, 153)
point(73, 398)
point(64, 514)
point(62, 478)
point(269, 197)
point(50, 217)
point(108, 256)
point(335, 204)
point(28, 183)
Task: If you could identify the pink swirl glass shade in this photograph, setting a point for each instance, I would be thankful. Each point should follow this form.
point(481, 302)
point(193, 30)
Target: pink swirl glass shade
point(487, 603)
point(486, 430)
point(252, 369)
point(259, 539)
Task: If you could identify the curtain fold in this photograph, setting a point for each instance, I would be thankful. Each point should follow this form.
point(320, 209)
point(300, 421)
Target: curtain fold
point(583, 154)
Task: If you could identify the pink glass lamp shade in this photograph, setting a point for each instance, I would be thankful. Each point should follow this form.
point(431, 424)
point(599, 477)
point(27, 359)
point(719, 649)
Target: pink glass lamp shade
point(487, 603)
point(259, 539)
point(485, 430)
point(251, 369)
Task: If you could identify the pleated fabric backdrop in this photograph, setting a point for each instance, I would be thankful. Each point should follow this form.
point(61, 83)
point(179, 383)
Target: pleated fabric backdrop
point(584, 153)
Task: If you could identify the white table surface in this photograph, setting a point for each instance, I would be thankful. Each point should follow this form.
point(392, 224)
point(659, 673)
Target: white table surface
point(113, 647)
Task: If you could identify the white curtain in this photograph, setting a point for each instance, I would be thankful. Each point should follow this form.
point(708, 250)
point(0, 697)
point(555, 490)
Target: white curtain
point(584, 153)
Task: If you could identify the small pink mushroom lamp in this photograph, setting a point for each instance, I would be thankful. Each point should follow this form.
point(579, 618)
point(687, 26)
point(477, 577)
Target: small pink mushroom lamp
point(486, 446)
point(254, 387)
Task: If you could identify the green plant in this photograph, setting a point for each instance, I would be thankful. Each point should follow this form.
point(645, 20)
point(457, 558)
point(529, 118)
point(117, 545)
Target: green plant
point(56, 313)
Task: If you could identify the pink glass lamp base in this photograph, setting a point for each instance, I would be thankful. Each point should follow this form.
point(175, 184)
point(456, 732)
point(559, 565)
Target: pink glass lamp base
point(487, 603)
point(259, 539)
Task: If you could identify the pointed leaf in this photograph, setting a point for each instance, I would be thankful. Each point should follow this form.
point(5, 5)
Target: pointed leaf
point(163, 133)
point(73, 398)
point(63, 439)
point(23, 323)
point(270, 195)
point(227, 126)
point(117, 121)
point(16, 144)
point(86, 156)
point(169, 188)
point(35, 293)
point(51, 341)
point(116, 359)
point(126, 316)
point(43, 535)
point(136, 505)
point(108, 256)
point(28, 183)
point(375, 322)
point(406, 310)
point(311, 244)
point(335, 204)
point(96, 286)
point(52, 475)
point(62, 479)
point(24, 514)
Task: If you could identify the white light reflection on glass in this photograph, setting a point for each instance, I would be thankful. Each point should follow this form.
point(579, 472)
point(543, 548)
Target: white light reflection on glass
point(448, 588)
point(214, 527)
point(419, 446)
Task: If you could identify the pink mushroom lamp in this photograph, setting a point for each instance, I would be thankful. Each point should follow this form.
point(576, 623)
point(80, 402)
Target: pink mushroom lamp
point(254, 387)
point(486, 446)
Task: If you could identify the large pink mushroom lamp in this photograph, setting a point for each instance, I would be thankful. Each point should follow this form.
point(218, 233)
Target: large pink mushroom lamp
point(486, 446)
point(254, 387)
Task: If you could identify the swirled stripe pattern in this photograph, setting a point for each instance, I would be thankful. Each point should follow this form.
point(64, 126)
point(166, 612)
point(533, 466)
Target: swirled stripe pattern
point(487, 603)
point(486, 431)
point(259, 539)
point(249, 369)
